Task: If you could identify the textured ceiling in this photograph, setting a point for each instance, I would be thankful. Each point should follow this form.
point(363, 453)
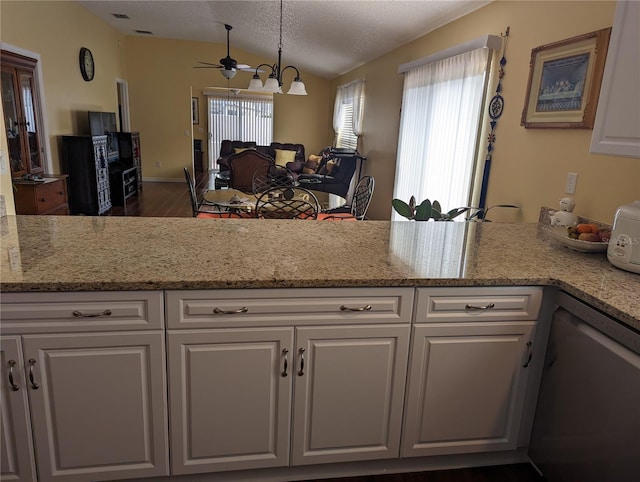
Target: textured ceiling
point(326, 38)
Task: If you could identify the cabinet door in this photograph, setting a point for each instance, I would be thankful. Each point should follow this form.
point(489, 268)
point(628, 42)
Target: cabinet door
point(466, 387)
point(99, 412)
point(230, 398)
point(349, 391)
point(16, 449)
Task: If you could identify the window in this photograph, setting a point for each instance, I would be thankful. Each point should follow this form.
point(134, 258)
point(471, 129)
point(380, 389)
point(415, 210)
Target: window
point(439, 129)
point(348, 114)
point(239, 118)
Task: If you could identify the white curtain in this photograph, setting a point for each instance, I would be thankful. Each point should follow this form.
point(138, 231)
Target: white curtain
point(349, 107)
point(437, 144)
point(238, 118)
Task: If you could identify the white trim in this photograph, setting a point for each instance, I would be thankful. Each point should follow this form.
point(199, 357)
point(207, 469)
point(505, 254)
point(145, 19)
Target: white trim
point(486, 41)
point(122, 90)
point(223, 92)
point(48, 165)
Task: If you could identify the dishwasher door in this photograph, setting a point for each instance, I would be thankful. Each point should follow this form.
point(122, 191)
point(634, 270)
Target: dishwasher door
point(587, 421)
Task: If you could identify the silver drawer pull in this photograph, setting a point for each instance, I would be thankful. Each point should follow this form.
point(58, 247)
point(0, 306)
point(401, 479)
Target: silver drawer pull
point(14, 387)
point(80, 314)
point(219, 311)
point(285, 371)
point(479, 308)
point(301, 353)
point(529, 355)
point(361, 308)
point(31, 380)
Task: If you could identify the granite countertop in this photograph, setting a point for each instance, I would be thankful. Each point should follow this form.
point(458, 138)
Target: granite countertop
point(81, 253)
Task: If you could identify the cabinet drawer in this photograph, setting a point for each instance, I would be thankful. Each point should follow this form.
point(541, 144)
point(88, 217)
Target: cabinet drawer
point(487, 304)
point(240, 308)
point(81, 312)
point(51, 195)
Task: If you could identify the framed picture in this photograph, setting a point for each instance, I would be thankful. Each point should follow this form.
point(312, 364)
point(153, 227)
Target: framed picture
point(564, 82)
point(195, 115)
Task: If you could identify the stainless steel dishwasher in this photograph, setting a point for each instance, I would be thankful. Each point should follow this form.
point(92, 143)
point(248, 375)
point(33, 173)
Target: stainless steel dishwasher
point(587, 421)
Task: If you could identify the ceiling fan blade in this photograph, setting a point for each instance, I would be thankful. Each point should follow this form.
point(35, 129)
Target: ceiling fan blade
point(209, 63)
point(248, 68)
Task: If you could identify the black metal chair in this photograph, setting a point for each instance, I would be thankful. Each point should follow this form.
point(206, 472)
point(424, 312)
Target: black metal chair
point(203, 208)
point(287, 203)
point(275, 176)
point(359, 204)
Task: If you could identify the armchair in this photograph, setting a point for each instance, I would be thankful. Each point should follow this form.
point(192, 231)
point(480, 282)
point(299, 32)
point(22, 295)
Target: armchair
point(340, 179)
point(244, 166)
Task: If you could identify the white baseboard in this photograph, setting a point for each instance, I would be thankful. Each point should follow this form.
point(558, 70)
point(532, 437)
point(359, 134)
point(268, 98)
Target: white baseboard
point(162, 179)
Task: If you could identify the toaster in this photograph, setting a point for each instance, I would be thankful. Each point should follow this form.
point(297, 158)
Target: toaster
point(624, 244)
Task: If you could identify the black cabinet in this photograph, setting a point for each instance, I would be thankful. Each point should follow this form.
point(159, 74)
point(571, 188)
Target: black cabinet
point(84, 159)
point(129, 149)
point(123, 181)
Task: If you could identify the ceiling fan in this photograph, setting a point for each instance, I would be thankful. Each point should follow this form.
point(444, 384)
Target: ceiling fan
point(228, 67)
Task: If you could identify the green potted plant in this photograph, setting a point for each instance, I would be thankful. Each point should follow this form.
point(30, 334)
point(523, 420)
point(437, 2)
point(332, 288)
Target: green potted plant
point(425, 210)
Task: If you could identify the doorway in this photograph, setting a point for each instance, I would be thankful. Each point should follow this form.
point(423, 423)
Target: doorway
point(123, 105)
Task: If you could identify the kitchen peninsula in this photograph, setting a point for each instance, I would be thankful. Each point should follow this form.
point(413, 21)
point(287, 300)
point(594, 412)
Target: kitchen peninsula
point(155, 306)
point(111, 253)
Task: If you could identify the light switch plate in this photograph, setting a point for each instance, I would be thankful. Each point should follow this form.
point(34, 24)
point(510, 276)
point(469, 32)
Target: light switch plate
point(572, 180)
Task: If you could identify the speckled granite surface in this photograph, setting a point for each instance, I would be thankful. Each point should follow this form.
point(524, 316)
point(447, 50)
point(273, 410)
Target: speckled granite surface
point(74, 253)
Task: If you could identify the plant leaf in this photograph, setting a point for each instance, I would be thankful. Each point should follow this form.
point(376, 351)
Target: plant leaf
point(402, 208)
point(454, 213)
point(437, 211)
point(424, 211)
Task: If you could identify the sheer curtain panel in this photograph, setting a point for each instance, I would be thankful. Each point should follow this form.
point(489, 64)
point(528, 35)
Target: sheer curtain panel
point(439, 129)
point(348, 114)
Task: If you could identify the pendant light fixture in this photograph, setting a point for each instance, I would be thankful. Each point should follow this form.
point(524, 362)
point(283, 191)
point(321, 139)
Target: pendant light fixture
point(274, 82)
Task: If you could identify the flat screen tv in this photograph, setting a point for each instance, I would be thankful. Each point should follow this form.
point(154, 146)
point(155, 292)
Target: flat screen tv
point(104, 124)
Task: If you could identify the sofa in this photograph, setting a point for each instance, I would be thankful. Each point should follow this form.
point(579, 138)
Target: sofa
point(335, 171)
point(276, 151)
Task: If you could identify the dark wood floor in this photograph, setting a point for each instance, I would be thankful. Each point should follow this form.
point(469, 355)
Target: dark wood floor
point(160, 199)
point(500, 473)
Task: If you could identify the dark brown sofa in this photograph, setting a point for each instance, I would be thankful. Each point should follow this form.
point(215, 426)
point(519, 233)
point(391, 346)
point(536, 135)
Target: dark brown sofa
point(228, 148)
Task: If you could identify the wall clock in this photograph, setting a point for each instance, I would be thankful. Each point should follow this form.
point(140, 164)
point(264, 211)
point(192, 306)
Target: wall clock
point(87, 68)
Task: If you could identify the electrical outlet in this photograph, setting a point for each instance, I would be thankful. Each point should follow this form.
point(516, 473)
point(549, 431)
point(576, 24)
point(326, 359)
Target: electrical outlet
point(572, 180)
point(157, 163)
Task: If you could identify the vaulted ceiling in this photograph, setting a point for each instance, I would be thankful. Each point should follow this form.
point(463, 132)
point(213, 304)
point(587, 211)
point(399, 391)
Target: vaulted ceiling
point(326, 38)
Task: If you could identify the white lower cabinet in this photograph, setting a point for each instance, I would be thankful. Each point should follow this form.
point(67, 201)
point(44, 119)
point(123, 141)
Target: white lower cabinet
point(327, 387)
point(16, 450)
point(468, 374)
point(230, 398)
point(97, 400)
point(349, 392)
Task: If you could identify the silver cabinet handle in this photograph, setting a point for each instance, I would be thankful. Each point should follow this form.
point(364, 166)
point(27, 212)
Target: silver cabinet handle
point(529, 355)
point(14, 387)
point(301, 352)
point(219, 311)
point(361, 308)
point(34, 385)
point(80, 314)
point(285, 370)
point(479, 308)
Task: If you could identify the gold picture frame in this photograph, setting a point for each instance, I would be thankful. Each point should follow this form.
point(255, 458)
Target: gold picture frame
point(564, 82)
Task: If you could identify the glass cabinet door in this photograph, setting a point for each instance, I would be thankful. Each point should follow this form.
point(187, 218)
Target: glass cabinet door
point(30, 123)
point(12, 122)
point(22, 114)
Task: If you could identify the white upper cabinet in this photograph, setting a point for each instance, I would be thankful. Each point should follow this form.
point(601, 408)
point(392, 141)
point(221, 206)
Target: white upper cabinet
point(617, 126)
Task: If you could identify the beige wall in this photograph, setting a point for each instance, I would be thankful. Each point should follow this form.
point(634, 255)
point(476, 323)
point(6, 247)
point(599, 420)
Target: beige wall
point(530, 166)
point(162, 81)
point(160, 77)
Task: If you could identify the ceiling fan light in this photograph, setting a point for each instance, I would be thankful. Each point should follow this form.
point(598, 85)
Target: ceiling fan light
point(255, 84)
point(272, 84)
point(228, 73)
point(297, 88)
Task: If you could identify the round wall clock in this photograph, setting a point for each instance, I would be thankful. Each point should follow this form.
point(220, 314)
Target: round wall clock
point(87, 68)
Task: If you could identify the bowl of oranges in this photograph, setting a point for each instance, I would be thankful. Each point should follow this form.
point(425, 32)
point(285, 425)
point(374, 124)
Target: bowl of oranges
point(585, 237)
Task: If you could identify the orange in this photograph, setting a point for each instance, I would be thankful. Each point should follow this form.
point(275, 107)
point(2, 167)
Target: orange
point(584, 228)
